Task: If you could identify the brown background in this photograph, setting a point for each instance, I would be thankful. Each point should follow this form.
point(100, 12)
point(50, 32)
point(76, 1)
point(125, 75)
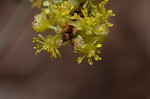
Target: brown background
point(124, 72)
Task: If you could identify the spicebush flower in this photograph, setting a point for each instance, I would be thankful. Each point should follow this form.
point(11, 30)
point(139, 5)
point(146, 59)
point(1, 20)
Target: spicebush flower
point(49, 44)
point(83, 23)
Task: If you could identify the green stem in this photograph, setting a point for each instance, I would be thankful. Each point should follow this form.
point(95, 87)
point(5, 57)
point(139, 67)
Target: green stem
point(92, 4)
point(52, 27)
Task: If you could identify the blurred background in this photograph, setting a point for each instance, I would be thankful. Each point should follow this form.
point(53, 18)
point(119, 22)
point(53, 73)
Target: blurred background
point(124, 72)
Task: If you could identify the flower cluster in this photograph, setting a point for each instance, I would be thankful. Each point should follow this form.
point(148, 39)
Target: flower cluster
point(82, 23)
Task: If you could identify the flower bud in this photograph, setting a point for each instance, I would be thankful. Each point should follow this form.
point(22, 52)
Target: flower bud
point(65, 37)
point(79, 42)
point(40, 23)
